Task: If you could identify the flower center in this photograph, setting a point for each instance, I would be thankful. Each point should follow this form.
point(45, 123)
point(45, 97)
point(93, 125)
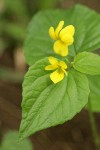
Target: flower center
point(60, 69)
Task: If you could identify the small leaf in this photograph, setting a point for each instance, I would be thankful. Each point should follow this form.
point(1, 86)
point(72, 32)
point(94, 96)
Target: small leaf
point(88, 63)
point(10, 142)
point(46, 104)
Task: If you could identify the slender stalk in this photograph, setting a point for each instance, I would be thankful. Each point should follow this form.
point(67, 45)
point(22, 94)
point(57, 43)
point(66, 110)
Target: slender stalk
point(93, 126)
point(67, 60)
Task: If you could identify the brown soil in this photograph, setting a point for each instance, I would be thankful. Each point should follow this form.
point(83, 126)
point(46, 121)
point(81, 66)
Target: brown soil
point(93, 4)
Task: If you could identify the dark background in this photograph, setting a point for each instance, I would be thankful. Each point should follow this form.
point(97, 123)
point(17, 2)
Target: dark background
point(73, 135)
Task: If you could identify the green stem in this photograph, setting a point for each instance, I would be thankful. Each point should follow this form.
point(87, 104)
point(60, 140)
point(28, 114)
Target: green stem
point(67, 60)
point(93, 126)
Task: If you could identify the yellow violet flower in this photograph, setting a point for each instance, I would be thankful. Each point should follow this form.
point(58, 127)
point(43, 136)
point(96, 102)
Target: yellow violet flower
point(63, 38)
point(59, 67)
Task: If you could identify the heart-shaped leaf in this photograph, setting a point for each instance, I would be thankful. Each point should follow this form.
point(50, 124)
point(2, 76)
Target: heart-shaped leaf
point(87, 36)
point(46, 104)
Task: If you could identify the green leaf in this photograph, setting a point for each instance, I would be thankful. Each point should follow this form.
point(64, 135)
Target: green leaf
point(46, 104)
point(88, 63)
point(94, 82)
point(87, 36)
point(91, 20)
point(10, 142)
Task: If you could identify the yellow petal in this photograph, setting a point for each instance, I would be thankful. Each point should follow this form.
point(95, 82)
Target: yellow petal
point(53, 60)
point(51, 67)
point(60, 48)
point(59, 27)
point(68, 39)
point(56, 76)
point(63, 64)
point(52, 33)
point(67, 30)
